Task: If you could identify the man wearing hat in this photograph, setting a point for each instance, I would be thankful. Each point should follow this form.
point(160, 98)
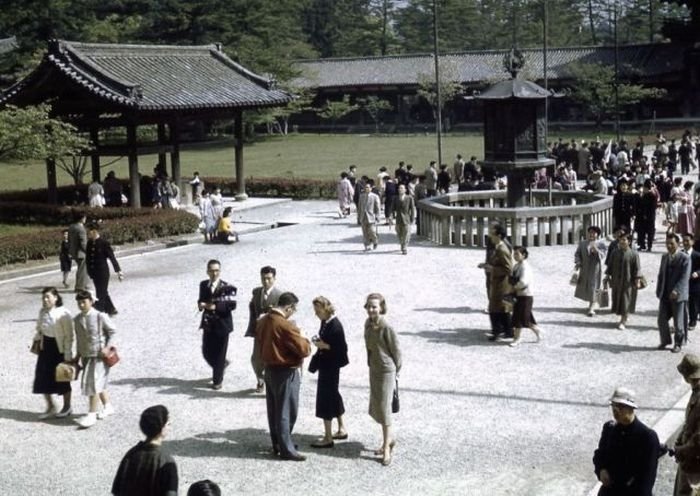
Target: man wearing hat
point(687, 449)
point(627, 455)
point(146, 470)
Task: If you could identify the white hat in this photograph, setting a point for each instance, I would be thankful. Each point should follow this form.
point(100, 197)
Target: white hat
point(623, 396)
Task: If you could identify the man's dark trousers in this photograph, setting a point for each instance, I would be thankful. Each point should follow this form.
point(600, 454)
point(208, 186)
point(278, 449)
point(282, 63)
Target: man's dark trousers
point(214, 347)
point(282, 395)
point(672, 309)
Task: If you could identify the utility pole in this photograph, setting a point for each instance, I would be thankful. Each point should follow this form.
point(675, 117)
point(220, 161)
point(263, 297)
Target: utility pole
point(616, 82)
point(438, 96)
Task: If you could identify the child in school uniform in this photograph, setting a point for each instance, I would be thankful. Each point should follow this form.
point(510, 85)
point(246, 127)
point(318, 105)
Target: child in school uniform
point(64, 258)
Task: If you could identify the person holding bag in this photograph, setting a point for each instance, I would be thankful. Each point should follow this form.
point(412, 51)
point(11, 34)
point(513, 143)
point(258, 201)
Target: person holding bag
point(94, 331)
point(330, 357)
point(384, 361)
point(53, 343)
point(522, 309)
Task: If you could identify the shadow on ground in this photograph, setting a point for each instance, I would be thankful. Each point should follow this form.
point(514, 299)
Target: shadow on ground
point(459, 310)
point(458, 337)
point(253, 444)
point(610, 347)
point(194, 388)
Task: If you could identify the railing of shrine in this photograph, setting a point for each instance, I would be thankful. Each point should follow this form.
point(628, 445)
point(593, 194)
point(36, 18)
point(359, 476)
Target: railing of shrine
point(462, 219)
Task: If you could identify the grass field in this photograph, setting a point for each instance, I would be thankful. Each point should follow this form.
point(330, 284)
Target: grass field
point(301, 155)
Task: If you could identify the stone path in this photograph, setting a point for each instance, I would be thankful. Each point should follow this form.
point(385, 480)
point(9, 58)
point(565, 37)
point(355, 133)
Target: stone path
point(477, 418)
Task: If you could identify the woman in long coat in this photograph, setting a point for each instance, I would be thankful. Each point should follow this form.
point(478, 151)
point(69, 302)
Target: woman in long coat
point(345, 193)
point(384, 361)
point(588, 261)
point(331, 356)
point(625, 273)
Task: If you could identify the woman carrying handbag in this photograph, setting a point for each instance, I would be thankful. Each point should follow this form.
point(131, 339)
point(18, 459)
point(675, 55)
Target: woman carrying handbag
point(53, 343)
point(384, 360)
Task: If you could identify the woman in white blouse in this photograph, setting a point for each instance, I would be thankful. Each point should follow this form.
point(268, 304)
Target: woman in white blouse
point(54, 336)
point(521, 280)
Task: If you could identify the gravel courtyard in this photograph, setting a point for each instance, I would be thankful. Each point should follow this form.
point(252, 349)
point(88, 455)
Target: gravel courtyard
point(477, 418)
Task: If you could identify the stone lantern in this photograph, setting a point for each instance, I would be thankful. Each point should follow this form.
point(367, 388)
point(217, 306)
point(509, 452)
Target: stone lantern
point(515, 130)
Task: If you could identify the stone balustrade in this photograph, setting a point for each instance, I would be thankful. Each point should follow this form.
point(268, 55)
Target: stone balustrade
point(462, 219)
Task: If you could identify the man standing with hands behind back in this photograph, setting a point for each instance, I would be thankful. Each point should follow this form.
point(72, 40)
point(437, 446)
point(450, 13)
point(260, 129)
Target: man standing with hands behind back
point(283, 349)
point(216, 302)
point(264, 298)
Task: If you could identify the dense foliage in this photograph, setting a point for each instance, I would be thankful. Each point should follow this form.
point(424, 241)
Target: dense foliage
point(266, 35)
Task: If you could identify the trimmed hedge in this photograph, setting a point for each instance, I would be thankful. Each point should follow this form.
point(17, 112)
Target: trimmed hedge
point(299, 189)
point(15, 212)
point(120, 225)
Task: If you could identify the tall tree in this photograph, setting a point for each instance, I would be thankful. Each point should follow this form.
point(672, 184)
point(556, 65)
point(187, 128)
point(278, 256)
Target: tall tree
point(594, 86)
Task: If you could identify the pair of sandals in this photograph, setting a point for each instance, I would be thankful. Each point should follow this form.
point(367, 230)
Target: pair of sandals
point(321, 443)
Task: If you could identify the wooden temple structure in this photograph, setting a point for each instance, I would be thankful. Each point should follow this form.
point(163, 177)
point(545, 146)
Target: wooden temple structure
point(100, 86)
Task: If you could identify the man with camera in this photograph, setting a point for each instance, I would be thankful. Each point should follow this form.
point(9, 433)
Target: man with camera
point(216, 302)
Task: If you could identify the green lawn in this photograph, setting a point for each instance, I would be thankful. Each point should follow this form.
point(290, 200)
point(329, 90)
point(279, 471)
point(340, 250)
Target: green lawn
point(301, 155)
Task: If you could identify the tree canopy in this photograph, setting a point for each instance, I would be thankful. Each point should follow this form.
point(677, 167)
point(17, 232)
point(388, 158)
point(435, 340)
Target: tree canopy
point(268, 35)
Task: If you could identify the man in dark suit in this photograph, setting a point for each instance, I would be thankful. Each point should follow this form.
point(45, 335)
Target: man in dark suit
point(97, 253)
point(672, 292)
point(694, 283)
point(627, 456)
point(216, 302)
point(264, 298)
point(77, 244)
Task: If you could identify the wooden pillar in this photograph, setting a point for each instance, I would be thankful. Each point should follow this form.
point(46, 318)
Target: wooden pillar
point(175, 153)
point(51, 181)
point(238, 140)
point(134, 179)
point(162, 156)
point(95, 156)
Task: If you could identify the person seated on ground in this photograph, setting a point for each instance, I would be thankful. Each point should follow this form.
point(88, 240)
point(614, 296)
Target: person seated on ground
point(224, 230)
point(146, 469)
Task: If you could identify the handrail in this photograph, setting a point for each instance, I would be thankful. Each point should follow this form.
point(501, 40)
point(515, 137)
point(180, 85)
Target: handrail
point(462, 219)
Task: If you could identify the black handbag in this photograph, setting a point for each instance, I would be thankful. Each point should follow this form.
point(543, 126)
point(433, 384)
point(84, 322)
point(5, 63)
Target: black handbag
point(313, 364)
point(395, 404)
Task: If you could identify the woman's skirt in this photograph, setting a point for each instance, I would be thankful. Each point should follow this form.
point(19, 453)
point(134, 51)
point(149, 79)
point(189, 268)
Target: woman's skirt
point(45, 372)
point(686, 224)
point(95, 375)
point(329, 403)
point(381, 391)
point(522, 312)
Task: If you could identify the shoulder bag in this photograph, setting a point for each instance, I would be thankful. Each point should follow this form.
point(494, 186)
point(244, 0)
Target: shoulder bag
point(395, 404)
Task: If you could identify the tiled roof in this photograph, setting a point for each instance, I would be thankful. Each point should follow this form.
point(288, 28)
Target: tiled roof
point(156, 77)
point(650, 60)
point(8, 44)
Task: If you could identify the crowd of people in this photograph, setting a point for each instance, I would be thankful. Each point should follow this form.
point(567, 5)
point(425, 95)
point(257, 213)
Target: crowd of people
point(280, 349)
point(278, 353)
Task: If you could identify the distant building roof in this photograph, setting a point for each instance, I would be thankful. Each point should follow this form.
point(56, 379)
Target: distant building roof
point(150, 77)
point(648, 61)
point(8, 44)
